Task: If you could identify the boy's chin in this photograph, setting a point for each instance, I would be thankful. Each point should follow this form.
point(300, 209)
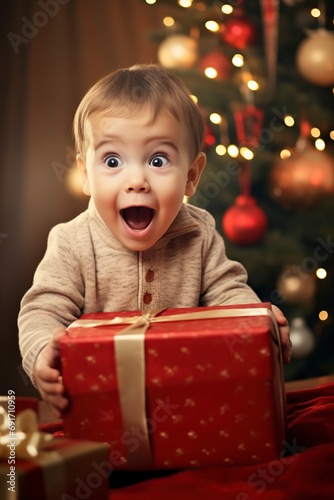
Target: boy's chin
point(139, 246)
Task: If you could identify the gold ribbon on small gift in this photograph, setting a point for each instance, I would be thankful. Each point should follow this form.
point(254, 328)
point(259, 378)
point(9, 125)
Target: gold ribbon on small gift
point(20, 433)
point(20, 439)
point(130, 364)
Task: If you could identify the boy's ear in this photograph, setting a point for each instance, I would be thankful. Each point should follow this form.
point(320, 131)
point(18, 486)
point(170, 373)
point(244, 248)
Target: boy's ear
point(194, 174)
point(83, 171)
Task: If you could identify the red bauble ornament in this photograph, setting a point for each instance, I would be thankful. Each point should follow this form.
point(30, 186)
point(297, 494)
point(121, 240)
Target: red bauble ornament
point(217, 60)
point(303, 180)
point(239, 32)
point(245, 222)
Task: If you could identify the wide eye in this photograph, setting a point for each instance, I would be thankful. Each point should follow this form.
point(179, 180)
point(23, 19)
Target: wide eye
point(113, 161)
point(159, 161)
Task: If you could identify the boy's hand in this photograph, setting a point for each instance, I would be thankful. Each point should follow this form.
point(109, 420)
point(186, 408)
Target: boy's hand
point(47, 374)
point(284, 331)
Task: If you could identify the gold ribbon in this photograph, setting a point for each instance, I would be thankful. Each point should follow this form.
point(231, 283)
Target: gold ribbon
point(19, 435)
point(130, 365)
point(143, 322)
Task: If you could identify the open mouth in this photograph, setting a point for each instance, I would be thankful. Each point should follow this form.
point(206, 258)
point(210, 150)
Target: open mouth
point(137, 218)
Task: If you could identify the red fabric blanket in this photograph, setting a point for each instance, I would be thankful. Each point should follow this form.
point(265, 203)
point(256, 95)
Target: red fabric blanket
point(304, 471)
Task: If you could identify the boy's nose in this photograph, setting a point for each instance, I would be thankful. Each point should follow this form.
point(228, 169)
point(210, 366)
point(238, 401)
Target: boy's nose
point(137, 182)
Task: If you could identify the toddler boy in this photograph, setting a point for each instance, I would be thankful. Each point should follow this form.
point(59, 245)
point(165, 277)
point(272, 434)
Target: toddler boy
point(139, 139)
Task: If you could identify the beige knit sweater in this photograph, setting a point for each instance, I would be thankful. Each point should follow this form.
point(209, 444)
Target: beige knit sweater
point(85, 269)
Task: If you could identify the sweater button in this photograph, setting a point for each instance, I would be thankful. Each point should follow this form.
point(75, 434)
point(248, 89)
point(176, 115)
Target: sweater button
point(149, 275)
point(147, 298)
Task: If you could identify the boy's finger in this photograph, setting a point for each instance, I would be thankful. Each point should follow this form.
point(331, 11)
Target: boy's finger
point(287, 352)
point(58, 405)
point(59, 402)
point(282, 321)
point(52, 389)
point(48, 374)
point(285, 335)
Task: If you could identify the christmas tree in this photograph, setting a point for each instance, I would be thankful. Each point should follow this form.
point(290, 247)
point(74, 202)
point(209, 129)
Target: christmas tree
point(262, 72)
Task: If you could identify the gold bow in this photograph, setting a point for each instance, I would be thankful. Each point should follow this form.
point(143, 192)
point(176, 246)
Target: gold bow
point(19, 435)
point(141, 322)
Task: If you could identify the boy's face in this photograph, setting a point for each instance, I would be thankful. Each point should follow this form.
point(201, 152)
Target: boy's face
point(137, 173)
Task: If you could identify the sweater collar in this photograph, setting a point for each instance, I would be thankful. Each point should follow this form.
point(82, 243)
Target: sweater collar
point(183, 223)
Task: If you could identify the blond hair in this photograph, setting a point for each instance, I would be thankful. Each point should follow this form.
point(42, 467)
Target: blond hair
point(128, 90)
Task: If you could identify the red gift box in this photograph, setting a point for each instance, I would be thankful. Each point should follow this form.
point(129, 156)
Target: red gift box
point(177, 390)
point(64, 470)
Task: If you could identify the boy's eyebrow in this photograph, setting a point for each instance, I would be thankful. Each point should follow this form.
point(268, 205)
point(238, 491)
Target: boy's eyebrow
point(163, 140)
point(107, 140)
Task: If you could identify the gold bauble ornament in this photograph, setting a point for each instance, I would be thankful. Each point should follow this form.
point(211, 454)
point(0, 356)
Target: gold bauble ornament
point(296, 286)
point(315, 57)
point(178, 51)
point(302, 180)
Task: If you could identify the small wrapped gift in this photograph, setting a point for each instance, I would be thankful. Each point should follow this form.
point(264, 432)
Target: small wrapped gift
point(177, 388)
point(34, 466)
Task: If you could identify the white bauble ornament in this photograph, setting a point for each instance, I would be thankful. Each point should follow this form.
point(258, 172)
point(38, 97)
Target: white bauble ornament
point(178, 51)
point(315, 57)
point(301, 338)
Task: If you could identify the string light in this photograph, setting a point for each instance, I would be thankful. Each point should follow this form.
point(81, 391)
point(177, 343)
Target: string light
point(238, 60)
point(253, 85)
point(168, 21)
point(194, 98)
point(150, 2)
point(185, 3)
point(221, 150)
point(212, 26)
point(246, 153)
point(331, 135)
point(210, 72)
point(227, 9)
point(285, 154)
point(315, 132)
point(321, 273)
point(315, 13)
point(233, 150)
point(289, 121)
point(323, 315)
point(215, 118)
point(320, 144)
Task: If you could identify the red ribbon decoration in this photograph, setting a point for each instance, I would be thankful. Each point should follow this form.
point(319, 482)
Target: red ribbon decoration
point(270, 17)
point(248, 124)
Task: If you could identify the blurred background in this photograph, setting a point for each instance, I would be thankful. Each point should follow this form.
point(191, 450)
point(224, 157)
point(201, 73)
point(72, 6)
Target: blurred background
point(262, 73)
